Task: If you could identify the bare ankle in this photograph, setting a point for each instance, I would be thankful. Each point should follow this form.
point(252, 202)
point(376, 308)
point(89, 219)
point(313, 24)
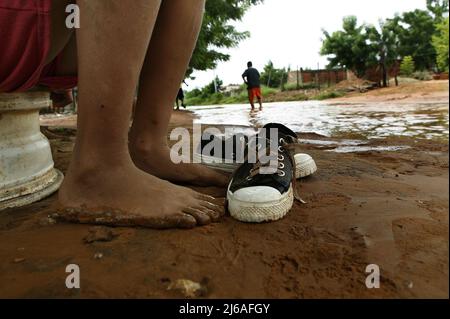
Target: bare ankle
point(143, 144)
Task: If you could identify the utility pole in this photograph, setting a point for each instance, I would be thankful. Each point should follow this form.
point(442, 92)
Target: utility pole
point(318, 76)
point(298, 80)
point(215, 82)
point(301, 77)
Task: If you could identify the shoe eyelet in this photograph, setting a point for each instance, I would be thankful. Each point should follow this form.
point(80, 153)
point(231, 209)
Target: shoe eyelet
point(281, 158)
point(282, 174)
point(282, 141)
point(281, 166)
point(249, 178)
point(280, 149)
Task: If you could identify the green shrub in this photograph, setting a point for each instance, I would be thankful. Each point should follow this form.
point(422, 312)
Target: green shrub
point(440, 43)
point(407, 66)
point(267, 90)
point(305, 86)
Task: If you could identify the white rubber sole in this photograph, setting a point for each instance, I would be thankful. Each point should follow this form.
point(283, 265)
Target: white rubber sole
point(304, 164)
point(259, 204)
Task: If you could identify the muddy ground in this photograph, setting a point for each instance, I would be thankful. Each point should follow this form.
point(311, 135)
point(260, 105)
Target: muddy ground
point(384, 208)
point(417, 92)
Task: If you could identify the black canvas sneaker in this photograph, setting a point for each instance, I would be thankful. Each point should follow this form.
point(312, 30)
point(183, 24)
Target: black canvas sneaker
point(229, 161)
point(255, 196)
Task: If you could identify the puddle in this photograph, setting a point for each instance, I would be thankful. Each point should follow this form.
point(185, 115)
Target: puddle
point(352, 146)
point(366, 120)
point(370, 120)
point(361, 149)
point(333, 143)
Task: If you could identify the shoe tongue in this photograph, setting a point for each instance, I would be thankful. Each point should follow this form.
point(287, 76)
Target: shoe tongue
point(235, 143)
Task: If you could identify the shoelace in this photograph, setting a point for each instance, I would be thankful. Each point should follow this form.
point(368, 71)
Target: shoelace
point(256, 169)
point(290, 149)
point(287, 148)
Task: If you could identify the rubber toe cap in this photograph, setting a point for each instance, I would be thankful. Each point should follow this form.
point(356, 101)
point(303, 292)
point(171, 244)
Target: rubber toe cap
point(257, 194)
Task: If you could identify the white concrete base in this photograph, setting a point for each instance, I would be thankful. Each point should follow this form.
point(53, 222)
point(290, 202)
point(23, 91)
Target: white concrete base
point(27, 172)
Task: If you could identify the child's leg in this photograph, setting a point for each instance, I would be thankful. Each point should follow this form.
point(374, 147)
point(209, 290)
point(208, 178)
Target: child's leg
point(165, 65)
point(112, 42)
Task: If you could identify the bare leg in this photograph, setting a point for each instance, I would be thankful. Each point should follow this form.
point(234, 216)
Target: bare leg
point(102, 184)
point(171, 46)
point(260, 103)
point(252, 104)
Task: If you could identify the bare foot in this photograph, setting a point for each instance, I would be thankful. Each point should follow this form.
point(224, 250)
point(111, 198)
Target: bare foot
point(156, 160)
point(127, 196)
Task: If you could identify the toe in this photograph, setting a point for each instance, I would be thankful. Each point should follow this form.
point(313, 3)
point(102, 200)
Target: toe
point(213, 200)
point(220, 210)
point(214, 215)
point(180, 220)
point(201, 217)
point(205, 197)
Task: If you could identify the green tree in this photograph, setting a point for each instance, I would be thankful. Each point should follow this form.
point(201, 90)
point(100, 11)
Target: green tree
point(415, 31)
point(359, 47)
point(349, 47)
point(407, 66)
point(440, 43)
point(439, 8)
point(211, 87)
point(384, 46)
point(218, 32)
point(272, 76)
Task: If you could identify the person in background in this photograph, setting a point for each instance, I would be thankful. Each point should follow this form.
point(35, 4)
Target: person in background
point(251, 77)
point(180, 98)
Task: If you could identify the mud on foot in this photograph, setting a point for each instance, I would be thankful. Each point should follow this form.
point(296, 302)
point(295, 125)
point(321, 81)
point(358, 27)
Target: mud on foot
point(127, 196)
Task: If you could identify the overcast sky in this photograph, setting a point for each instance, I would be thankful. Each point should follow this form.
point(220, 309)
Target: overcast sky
point(288, 32)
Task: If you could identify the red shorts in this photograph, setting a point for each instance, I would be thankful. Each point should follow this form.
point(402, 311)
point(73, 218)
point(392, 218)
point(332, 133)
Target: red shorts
point(254, 92)
point(24, 46)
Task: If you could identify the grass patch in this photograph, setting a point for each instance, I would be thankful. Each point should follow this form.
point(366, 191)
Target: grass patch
point(269, 94)
point(238, 97)
point(305, 86)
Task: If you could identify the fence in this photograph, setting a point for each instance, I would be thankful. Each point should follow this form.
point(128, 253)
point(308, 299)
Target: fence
point(318, 77)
